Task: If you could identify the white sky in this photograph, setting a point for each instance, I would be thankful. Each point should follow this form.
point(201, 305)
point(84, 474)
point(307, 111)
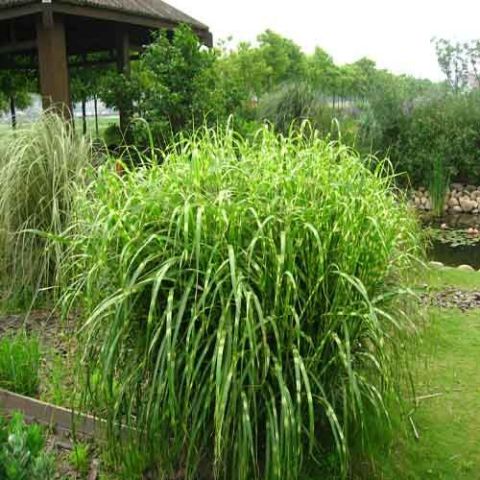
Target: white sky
point(394, 33)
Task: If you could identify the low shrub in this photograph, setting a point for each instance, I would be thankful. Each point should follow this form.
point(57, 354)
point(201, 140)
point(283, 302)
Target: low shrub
point(244, 302)
point(113, 136)
point(289, 105)
point(19, 364)
point(22, 454)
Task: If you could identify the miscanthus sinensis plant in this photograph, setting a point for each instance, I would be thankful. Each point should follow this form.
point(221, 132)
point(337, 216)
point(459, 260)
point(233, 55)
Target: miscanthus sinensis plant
point(243, 302)
point(40, 168)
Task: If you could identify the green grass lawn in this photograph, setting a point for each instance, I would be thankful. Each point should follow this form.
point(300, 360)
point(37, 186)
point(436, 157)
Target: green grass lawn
point(448, 388)
point(103, 123)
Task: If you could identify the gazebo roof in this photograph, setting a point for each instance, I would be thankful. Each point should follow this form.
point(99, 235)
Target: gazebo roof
point(147, 8)
point(151, 14)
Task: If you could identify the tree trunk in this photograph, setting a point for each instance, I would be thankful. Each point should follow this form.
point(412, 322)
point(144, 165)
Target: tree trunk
point(95, 104)
point(13, 112)
point(84, 116)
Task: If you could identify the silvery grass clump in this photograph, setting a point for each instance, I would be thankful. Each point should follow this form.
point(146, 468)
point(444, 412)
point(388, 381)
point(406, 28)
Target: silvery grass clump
point(40, 166)
point(243, 301)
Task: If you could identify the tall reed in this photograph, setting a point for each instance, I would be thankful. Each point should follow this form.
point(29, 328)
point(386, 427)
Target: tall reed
point(243, 301)
point(39, 167)
point(439, 183)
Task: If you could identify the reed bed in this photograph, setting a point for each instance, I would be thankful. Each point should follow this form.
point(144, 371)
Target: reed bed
point(40, 168)
point(243, 302)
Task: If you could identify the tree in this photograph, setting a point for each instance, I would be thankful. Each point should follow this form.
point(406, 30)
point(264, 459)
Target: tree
point(87, 83)
point(284, 57)
point(243, 77)
point(474, 58)
point(453, 58)
point(321, 71)
point(15, 88)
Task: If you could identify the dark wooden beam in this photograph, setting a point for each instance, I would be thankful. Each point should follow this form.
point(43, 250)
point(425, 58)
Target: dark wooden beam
point(9, 63)
point(12, 34)
point(123, 67)
point(123, 50)
point(126, 18)
point(20, 11)
point(22, 62)
point(18, 47)
point(53, 65)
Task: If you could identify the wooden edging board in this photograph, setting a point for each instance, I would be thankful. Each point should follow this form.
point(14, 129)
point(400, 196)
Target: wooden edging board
point(63, 420)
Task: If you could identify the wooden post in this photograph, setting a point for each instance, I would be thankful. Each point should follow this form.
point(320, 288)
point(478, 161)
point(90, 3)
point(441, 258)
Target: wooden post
point(84, 116)
point(95, 105)
point(53, 65)
point(13, 112)
point(123, 66)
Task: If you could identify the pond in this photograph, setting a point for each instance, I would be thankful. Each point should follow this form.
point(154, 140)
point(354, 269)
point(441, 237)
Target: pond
point(455, 239)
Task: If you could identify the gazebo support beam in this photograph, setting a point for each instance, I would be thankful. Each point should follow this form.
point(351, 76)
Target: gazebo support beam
point(123, 67)
point(53, 64)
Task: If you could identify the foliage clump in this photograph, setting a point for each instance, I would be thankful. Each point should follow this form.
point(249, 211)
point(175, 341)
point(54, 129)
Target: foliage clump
point(22, 451)
point(241, 301)
point(442, 129)
point(20, 364)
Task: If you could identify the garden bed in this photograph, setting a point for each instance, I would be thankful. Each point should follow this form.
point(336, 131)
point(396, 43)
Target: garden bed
point(57, 346)
point(69, 437)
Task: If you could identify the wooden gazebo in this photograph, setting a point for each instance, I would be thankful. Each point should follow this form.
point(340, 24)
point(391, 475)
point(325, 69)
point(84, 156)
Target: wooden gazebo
point(49, 33)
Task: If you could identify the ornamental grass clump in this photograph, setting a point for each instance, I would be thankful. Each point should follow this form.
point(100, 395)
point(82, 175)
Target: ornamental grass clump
point(40, 167)
point(243, 302)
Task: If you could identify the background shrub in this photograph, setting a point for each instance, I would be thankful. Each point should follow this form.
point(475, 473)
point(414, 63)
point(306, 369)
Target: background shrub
point(241, 301)
point(446, 127)
point(290, 104)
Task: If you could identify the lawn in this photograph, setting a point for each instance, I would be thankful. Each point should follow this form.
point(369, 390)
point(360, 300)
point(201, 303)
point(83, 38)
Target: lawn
point(448, 391)
point(103, 123)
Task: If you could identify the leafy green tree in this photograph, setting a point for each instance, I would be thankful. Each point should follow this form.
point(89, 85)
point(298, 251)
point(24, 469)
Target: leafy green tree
point(15, 92)
point(87, 82)
point(173, 86)
point(243, 76)
point(363, 72)
point(178, 81)
point(321, 71)
point(285, 58)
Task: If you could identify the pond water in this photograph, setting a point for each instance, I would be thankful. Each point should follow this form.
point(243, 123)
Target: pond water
point(455, 256)
point(452, 244)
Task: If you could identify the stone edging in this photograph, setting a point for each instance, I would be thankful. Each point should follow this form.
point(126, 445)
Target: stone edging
point(459, 198)
point(63, 420)
point(462, 268)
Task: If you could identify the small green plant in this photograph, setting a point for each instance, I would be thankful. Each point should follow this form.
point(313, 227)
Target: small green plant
point(79, 458)
point(61, 386)
point(22, 455)
point(19, 364)
point(439, 181)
